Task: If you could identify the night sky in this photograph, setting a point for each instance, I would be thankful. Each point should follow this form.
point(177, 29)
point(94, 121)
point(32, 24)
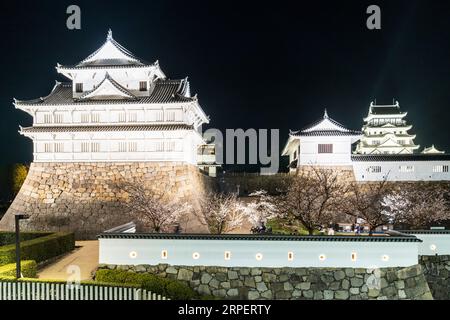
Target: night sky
point(253, 64)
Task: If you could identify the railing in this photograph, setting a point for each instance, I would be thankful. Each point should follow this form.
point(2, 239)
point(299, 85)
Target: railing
point(28, 290)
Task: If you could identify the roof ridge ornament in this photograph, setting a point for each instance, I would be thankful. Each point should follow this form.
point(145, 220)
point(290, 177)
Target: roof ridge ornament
point(325, 114)
point(109, 36)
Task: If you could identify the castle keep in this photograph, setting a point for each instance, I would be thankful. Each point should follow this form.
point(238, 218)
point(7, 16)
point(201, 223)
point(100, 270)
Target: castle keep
point(117, 117)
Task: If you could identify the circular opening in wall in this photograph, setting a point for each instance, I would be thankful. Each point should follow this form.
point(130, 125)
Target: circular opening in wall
point(259, 256)
point(133, 254)
point(195, 255)
point(322, 257)
point(385, 257)
point(433, 247)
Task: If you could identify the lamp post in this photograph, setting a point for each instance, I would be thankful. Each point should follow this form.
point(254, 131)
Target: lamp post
point(18, 217)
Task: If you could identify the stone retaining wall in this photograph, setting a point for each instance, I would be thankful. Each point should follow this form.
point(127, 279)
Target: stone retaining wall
point(79, 196)
point(296, 283)
point(437, 272)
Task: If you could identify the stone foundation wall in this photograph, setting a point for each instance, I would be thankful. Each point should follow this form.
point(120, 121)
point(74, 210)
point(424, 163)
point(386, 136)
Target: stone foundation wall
point(437, 272)
point(296, 283)
point(79, 196)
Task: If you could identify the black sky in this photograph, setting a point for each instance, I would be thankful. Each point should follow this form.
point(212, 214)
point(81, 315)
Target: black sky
point(253, 64)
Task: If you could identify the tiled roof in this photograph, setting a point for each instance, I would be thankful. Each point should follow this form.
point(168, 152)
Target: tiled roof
point(326, 133)
point(250, 237)
point(400, 157)
point(425, 231)
point(93, 128)
point(122, 90)
point(165, 91)
point(126, 57)
point(325, 127)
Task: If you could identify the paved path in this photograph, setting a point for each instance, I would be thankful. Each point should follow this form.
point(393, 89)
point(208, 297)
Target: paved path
point(84, 256)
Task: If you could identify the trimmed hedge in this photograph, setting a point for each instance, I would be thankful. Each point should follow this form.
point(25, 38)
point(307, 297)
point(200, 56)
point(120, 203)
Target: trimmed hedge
point(27, 267)
point(39, 249)
point(169, 288)
point(7, 237)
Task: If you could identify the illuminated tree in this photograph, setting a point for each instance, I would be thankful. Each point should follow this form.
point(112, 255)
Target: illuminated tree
point(418, 205)
point(366, 201)
point(154, 209)
point(313, 198)
point(19, 175)
point(221, 213)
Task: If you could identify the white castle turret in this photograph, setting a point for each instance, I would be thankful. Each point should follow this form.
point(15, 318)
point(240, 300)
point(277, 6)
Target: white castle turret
point(117, 119)
point(386, 131)
point(115, 107)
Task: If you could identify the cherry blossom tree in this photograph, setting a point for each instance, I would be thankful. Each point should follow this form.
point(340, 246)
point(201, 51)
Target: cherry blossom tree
point(153, 209)
point(366, 201)
point(221, 213)
point(262, 209)
point(417, 205)
point(313, 198)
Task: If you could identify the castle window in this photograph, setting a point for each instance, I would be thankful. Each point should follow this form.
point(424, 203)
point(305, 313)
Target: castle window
point(406, 169)
point(95, 147)
point(374, 169)
point(95, 117)
point(325, 148)
point(85, 147)
point(132, 146)
point(59, 147)
point(79, 87)
point(132, 117)
point(440, 168)
point(122, 117)
point(85, 118)
point(159, 116)
point(58, 118)
point(122, 147)
point(170, 116)
point(142, 85)
point(48, 147)
point(47, 118)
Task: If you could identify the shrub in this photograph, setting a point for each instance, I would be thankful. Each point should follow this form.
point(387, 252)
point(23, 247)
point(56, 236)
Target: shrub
point(169, 288)
point(7, 237)
point(27, 267)
point(39, 249)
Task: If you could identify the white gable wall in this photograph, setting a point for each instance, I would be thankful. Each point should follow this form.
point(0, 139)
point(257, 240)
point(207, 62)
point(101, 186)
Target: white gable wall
point(341, 151)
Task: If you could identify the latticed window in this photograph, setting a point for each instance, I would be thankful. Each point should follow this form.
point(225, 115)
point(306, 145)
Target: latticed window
point(132, 146)
point(122, 117)
point(95, 117)
point(325, 148)
point(79, 87)
point(142, 85)
point(406, 168)
point(374, 169)
point(47, 118)
point(440, 168)
point(85, 117)
point(48, 147)
point(170, 116)
point(95, 147)
point(59, 147)
point(85, 147)
point(132, 117)
point(122, 147)
point(59, 118)
point(159, 116)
